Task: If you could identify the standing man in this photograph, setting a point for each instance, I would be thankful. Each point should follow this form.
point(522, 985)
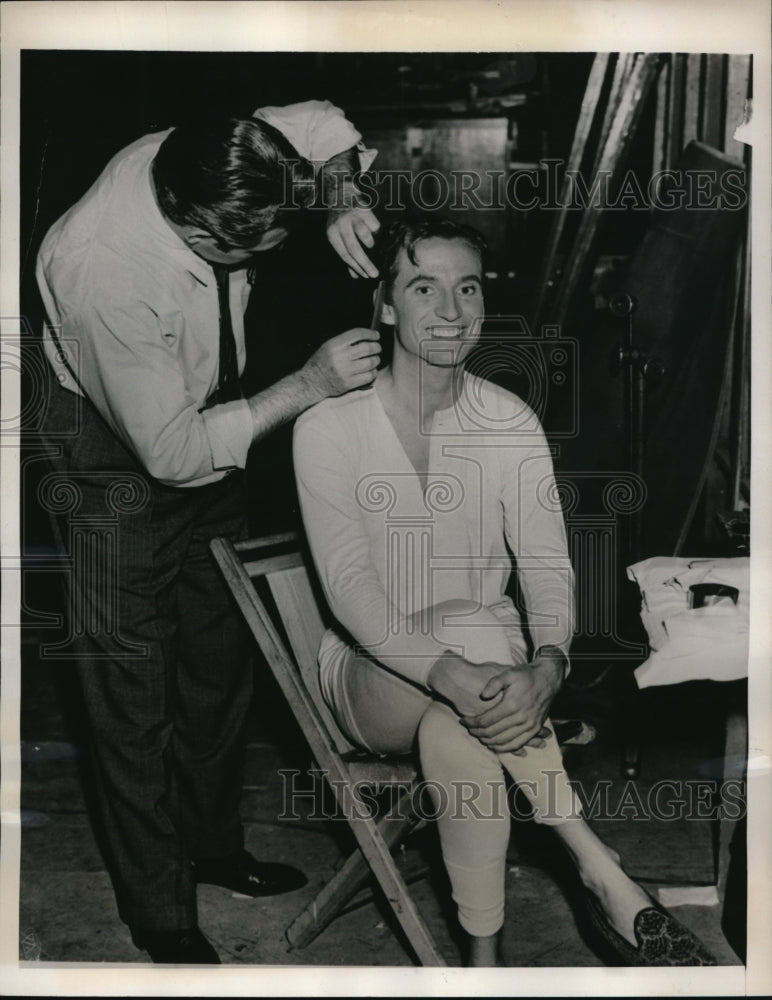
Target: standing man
point(145, 283)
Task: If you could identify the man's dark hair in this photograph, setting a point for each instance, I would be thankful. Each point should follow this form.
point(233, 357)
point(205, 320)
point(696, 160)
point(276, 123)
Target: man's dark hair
point(235, 178)
point(406, 234)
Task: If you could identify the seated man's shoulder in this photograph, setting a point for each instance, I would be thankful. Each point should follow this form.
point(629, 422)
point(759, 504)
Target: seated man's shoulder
point(491, 404)
point(345, 411)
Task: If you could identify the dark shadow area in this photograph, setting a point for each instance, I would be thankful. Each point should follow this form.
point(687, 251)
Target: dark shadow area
point(434, 112)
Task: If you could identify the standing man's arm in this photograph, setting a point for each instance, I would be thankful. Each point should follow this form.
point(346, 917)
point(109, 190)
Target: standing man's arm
point(129, 368)
point(351, 225)
point(348, 361)
point(321, 133)
point(132, 332)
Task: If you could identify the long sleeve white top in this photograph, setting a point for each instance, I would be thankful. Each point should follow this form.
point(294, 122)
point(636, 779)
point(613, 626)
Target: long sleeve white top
point(136, 312)
point(384, 549)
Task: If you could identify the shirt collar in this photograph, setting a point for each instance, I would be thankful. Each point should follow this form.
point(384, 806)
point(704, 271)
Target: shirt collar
point(157, 229)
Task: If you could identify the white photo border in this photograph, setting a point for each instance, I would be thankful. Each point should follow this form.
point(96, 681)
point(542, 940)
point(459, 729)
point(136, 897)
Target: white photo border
point(381, 25)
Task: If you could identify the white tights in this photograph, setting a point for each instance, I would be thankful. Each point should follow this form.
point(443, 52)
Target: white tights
point(385, 713)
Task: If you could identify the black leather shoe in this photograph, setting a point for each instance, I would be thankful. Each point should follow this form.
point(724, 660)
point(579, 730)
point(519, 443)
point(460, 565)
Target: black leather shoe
point(179, 947)
point(242, 873)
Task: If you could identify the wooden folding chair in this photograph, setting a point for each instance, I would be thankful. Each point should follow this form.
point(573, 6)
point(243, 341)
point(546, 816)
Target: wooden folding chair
point(347, 769)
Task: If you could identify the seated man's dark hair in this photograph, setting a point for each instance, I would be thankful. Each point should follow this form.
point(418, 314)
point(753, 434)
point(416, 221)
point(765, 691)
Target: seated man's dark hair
point(235, 178)
point(406, 234)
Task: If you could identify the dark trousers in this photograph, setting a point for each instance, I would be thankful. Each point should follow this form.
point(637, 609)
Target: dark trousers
point(162, 660)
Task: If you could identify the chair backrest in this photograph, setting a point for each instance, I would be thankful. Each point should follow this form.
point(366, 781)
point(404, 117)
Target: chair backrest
point(280, 561)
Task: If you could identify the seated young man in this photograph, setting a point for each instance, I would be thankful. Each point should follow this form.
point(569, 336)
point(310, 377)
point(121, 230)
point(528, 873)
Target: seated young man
point(413, 491)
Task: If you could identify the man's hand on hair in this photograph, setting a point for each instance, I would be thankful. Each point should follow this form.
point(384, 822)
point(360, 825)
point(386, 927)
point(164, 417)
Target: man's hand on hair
point(349, 230)
point(350, 222)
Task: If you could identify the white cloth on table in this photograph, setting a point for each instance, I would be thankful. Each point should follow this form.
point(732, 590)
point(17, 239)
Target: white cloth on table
point(706, 643)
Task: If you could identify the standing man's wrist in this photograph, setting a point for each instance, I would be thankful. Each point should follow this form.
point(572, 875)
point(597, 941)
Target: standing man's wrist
point(336, 179)
point(309, 391)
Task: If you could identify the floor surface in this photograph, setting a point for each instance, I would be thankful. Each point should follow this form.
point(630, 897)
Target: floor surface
point(68, 912)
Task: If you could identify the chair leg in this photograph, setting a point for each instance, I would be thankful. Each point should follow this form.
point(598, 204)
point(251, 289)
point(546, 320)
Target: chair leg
point(396, 892)
point(346, 881)
point(328, 903)
point(390, 829)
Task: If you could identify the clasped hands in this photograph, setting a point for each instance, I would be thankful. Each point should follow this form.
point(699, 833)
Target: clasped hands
point(502, 706)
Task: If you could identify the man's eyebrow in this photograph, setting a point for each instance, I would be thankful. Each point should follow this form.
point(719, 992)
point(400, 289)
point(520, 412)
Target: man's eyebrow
point(428, 277)
point(418, 278)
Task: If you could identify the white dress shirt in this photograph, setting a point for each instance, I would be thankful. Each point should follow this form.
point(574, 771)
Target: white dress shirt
point(385, 549)
point(136, 313)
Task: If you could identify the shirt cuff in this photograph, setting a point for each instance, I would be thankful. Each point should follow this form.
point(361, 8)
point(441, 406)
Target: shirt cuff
point(561, 648)
point(229, 428)
point(366, 156)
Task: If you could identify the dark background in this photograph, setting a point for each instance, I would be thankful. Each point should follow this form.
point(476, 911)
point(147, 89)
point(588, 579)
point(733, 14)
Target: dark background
point(78, 108)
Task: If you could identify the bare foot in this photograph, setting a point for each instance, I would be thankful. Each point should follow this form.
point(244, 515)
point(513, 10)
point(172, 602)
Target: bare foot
point(599, 870)
point(485, 952)
point(619, 896)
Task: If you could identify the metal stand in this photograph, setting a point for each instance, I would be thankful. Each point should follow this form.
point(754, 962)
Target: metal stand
point(641, 369)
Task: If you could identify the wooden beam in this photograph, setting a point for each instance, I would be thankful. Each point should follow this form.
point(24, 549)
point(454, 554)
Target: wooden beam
point(740, 415)
point(713, 100)
point(250, 544)
point(614, 154)
point(257, 567)
point(738, 76)
point(692, 89)
point(622, 70)
point(661, 154)
point(675, 111)
point(587, 114)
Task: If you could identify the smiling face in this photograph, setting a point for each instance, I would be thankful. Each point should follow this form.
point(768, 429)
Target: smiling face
point(436, 303)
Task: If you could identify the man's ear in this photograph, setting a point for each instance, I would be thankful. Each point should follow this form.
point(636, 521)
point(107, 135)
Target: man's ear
point(193, 239)
point(387, 311)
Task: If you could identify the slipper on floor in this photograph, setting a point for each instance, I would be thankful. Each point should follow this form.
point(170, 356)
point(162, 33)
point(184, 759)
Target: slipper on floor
point(662, 940)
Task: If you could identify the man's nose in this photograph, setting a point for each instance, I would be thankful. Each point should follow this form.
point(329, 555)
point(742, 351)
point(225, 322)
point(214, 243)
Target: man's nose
point(447, 307)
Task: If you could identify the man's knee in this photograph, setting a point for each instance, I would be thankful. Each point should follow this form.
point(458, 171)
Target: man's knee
point(441, 740)
point(460, 774)
point(470, 629)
